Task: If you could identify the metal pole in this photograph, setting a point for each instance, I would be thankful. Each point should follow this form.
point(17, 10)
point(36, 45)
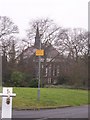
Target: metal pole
point(39, 74)
point(0, 67)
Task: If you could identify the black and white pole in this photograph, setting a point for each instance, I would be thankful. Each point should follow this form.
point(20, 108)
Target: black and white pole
point(7, 102)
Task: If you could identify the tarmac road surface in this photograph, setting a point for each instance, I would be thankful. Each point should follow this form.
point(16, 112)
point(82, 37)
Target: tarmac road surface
point(68, 112)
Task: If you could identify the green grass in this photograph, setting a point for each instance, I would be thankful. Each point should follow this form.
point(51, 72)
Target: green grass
point(26, 98)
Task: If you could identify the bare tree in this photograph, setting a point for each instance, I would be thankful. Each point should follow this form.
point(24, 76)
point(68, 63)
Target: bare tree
point(7, 27)
point(47, 29)
point(73, 42)
point(7, 30)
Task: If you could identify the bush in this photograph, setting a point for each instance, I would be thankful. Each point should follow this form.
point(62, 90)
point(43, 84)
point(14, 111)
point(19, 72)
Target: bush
point(62, 80)
point(34, 83)
point(27, 80)
point(17, 78)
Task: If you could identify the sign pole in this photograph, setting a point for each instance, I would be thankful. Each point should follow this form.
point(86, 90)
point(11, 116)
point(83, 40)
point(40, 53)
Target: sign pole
point(39, 53)
point(39, 73)
point(39, 77)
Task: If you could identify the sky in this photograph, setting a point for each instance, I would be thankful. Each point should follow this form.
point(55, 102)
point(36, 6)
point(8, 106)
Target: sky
point(65, 13)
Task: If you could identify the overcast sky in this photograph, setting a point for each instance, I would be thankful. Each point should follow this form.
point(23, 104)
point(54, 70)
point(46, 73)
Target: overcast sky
point(65, 13)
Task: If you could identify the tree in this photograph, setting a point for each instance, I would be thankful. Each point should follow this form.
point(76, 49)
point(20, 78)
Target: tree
point(7, 31)
point(74, 45)
point(7, 27)
point(48, 31)
point(73, 42)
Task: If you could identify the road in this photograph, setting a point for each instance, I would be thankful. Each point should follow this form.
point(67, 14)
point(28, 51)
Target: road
point(68, 112)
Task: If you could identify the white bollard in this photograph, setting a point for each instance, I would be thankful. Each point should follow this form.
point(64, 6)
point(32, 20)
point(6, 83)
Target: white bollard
point(7, 102)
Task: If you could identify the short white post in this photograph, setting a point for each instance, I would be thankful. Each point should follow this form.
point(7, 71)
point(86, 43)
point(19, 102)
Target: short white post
point(7, 102)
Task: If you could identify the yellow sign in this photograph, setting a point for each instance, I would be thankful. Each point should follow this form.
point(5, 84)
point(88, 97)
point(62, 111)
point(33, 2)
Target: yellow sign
point(39, 52)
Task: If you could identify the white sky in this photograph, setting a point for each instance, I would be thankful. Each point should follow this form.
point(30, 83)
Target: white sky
point(66, 13)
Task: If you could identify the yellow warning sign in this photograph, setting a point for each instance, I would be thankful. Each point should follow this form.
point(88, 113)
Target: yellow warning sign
point(39, 52)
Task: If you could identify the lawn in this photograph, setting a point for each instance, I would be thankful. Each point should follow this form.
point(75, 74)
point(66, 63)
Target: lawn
point(26, 98)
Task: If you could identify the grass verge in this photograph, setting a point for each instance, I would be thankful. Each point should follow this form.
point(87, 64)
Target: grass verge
point(26, 98)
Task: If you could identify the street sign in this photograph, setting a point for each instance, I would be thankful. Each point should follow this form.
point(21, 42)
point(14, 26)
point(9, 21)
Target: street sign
point(40, 52)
